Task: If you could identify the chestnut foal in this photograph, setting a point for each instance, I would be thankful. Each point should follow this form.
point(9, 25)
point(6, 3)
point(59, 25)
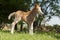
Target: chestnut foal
point(28, 17)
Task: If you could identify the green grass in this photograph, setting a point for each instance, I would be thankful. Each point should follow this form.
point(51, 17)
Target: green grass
point(26, 36)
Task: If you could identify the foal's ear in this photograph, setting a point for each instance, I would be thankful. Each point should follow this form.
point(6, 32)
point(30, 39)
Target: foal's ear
point(37, 5)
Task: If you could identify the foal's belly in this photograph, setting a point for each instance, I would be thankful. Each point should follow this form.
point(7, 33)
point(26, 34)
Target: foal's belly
point(24, 18)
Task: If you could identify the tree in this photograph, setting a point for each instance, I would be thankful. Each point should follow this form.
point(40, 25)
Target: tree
point(49, 8)
point(8, 6)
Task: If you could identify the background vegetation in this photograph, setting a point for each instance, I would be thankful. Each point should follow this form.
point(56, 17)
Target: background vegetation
point(49, 8)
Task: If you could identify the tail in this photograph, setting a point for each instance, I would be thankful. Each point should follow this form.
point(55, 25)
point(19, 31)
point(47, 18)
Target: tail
point(11, 15)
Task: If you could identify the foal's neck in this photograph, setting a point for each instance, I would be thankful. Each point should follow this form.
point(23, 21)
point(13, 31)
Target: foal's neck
point(34, 12)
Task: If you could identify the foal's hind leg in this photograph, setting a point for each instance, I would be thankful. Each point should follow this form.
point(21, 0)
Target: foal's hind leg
point(16, 20)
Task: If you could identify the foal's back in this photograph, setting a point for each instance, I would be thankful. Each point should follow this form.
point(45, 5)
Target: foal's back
point(22, 14)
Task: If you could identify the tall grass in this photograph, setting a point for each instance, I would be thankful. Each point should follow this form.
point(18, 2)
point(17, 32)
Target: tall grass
point(4, 35)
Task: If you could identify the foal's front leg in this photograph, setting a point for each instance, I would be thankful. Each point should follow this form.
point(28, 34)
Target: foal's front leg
point(31, 29)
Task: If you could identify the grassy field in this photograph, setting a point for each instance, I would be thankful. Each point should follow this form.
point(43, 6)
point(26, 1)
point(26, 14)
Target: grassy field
point(4, 35)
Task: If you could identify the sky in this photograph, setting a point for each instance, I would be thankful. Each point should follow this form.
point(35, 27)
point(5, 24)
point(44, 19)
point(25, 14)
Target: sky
point(54, 20)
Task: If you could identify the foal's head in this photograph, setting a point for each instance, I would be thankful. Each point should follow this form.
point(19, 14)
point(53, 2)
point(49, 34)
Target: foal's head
point(37, 8)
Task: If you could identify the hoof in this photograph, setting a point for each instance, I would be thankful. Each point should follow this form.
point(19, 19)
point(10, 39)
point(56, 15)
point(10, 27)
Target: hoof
point(11, 32)
point(31, 33)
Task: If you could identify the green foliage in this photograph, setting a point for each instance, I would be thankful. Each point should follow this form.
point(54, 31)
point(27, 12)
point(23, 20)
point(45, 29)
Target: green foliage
point(8, 6)
point(49, 8)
